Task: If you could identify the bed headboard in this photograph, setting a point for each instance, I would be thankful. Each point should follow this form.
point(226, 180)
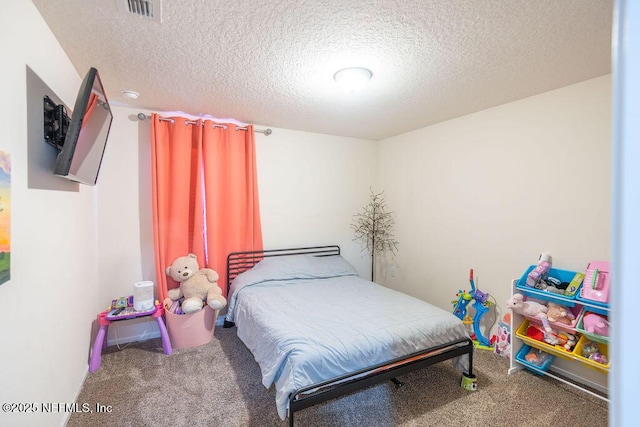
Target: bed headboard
point(237, 262)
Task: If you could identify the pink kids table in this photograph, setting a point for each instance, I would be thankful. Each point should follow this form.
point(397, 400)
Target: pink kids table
point(107, 317)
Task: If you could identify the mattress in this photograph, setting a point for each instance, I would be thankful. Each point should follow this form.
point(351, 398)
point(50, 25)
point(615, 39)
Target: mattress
point(307, 319)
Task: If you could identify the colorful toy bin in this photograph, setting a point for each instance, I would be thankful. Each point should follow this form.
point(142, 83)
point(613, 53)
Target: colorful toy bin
point(535, 360)
point(191, 330)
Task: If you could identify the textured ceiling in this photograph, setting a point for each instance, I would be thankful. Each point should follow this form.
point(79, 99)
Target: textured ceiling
point(272, 62)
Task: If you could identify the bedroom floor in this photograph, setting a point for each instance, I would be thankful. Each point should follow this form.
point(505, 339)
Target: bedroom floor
point(220, 384)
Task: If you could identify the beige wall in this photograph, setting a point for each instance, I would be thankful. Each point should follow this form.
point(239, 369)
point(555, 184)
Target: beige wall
point(492, 190)
point(48, 306)
point(310, 187)
point(125, 239)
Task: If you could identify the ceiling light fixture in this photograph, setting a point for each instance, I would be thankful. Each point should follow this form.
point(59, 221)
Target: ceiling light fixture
point(131, 94)
point(352, 79)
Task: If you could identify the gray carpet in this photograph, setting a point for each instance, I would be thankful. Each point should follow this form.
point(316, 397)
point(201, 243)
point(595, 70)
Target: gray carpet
point(219, 384)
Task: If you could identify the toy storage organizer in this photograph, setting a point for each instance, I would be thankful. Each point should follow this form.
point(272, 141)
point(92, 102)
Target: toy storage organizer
point(563, 365)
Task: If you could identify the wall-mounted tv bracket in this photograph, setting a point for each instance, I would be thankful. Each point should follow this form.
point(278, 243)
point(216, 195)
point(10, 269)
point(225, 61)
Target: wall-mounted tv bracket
point(56, 122)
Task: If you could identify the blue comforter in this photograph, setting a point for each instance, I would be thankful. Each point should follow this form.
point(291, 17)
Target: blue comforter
point(307, 319)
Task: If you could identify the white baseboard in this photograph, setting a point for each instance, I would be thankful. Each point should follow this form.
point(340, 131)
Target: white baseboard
point(67, 414)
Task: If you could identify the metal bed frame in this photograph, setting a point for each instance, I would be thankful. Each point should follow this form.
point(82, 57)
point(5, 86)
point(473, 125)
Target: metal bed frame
point(304, 397)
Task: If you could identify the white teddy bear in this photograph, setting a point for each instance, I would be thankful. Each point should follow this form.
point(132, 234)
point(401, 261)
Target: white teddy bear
point(196, 285)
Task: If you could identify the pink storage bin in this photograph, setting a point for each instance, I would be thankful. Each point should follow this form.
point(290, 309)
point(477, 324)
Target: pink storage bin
point(570, 328)
point(191, 330)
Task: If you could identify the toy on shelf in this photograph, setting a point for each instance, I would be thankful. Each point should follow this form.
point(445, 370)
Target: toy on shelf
point(596, 324)
point(529, 308)
point(542, 277)
point(591, 351)
point(541, 271)
point(574, 285)
point(559, 314)
point(553, 337)
point(563, 339)
point(533, 359)
point(599, 358)
point(590, 348)
point(481, 306)
point(596, 282)
point(536, 357)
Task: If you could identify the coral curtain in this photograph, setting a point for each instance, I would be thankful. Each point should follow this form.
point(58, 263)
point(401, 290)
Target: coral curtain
point(231, 192)
point(205, 194)
point(91, 105)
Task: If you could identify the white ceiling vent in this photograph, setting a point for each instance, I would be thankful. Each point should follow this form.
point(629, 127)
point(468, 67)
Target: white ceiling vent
point(149, 9)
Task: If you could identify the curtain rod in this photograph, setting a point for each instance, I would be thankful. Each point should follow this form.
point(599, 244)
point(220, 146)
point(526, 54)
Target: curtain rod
point(266, 132)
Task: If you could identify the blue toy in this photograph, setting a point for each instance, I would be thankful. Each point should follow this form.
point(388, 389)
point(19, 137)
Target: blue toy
point(481, 306)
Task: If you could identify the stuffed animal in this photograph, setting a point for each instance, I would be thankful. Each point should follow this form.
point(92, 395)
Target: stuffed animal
point(529, 309)
point(595, 323)
point(549, 286)
point(568, 341)
point(559, 314)
point(196, 285)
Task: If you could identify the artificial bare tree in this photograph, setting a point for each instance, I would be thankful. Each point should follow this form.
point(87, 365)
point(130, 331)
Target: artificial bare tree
point(374, 228)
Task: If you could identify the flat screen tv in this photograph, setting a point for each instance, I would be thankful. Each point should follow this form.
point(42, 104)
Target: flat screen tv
point(82, 139)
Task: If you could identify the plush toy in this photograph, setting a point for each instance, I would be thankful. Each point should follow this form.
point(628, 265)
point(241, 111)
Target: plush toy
point(549, 285)
point(529, 308)
point(552, 337)
point(196, 285)
point(568, 341)
point(559, 314)
point(595, 323)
